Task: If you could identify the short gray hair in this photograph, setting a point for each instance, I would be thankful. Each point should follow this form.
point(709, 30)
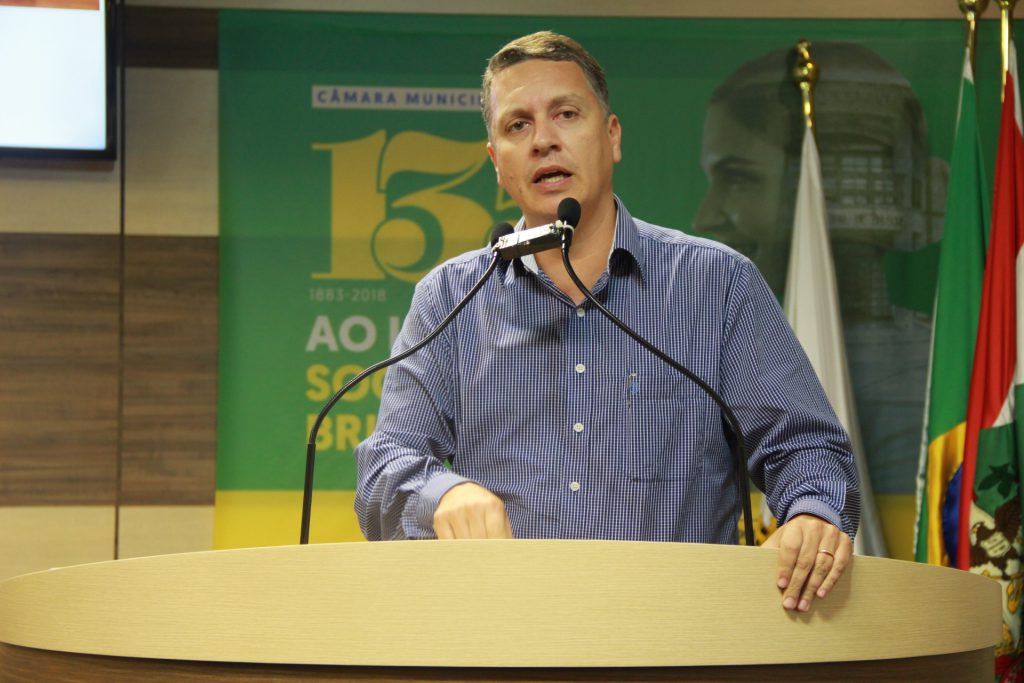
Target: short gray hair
point(544, 45)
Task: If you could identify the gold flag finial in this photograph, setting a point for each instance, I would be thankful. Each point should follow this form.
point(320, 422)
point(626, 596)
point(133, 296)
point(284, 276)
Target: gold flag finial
point(1005, 21)
point(972, 9)
point(805, 73)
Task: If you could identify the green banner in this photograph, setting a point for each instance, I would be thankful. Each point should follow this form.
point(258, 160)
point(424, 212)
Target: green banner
point(353, 160)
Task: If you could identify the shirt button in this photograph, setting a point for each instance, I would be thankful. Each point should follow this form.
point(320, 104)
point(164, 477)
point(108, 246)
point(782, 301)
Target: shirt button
point(581, 368)
point(578, 427)
point(574, 486)
point(580, 312)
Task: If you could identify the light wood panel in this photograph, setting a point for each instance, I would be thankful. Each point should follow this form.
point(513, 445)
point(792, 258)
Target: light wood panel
point(169, 429)
point(35, 538)
point(53, 196)
point(171, 150)
point(163, 529)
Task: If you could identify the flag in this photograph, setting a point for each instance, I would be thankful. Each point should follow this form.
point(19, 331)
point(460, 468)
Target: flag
point(954, 328)
point(989, 540)
point(811, 304)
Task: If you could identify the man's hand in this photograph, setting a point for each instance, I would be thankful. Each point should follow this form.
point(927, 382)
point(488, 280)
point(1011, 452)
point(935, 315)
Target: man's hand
point(471, 511)
point(812, 555)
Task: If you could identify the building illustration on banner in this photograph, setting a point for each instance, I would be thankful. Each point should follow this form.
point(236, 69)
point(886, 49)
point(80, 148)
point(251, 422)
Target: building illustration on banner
point(884, 196)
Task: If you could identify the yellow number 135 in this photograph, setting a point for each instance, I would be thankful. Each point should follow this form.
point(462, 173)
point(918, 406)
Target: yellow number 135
point(368, 245)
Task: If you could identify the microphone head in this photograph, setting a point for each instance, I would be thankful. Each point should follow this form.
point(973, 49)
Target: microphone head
point(499, 231)
point(569, 211)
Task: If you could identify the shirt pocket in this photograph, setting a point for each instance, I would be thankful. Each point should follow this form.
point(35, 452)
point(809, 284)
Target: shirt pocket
point(665, 424)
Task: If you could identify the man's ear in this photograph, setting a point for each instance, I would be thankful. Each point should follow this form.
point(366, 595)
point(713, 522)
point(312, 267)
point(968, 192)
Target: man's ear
point(494, 161)
point(615, 135)
point(490, 153)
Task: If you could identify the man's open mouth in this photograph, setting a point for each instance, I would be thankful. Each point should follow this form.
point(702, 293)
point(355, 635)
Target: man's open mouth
point(551, 176)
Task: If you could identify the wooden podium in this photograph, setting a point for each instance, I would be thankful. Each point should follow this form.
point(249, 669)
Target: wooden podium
point(490, 610)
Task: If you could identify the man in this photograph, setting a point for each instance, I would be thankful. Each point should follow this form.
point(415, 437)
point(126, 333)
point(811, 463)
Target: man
point(558, 425)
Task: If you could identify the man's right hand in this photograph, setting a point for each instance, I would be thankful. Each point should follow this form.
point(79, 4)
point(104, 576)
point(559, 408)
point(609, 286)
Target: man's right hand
point(471, 511)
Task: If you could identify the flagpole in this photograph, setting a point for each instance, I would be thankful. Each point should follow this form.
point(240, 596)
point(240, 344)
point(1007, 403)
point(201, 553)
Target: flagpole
point(1005, 23)
point(811, 302)
point(972, 9)
point(805, 73)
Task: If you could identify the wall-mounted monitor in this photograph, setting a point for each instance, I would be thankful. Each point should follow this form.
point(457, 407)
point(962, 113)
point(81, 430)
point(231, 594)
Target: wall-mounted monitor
point(57, 79)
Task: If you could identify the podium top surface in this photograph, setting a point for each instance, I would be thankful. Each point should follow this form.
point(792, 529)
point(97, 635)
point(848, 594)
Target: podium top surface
point(517, 603)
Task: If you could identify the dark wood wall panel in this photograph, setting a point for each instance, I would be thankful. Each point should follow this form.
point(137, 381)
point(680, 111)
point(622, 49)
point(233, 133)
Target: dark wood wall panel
point(58, 368)
point(170, 371)
point(170, 37)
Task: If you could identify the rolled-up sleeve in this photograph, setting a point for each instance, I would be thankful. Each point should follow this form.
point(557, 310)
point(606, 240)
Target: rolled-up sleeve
point(799, 454)
point(401, 472)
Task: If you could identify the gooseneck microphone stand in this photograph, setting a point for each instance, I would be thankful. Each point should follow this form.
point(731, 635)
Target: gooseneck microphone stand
point(569, 215)
point(307, 491)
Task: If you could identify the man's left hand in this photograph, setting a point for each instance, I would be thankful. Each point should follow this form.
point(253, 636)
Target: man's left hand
point(812, 555)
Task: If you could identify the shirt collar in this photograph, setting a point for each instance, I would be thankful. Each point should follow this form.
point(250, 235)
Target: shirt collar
point(627, 244)
point(626, 247)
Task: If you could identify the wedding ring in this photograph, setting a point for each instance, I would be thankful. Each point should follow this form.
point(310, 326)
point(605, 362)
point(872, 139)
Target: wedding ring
point(827, 552)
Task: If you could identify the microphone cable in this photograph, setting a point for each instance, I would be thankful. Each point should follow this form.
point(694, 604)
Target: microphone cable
point(497, 233)
point(569, 212)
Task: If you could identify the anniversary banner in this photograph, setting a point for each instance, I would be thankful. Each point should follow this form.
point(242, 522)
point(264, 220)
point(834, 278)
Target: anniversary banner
point(353, 160)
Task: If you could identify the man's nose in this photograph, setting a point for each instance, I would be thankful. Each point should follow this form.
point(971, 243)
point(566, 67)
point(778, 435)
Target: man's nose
point(545, 138)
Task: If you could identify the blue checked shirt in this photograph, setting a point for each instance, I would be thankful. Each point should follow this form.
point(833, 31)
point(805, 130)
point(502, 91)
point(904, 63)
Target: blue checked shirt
point(580, 431)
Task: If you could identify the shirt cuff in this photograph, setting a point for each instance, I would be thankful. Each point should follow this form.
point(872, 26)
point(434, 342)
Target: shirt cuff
point(815, 507)
point(430, 495)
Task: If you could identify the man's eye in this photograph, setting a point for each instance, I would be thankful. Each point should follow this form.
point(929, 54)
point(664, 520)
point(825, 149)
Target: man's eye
point(567, 114)
point(516, 126)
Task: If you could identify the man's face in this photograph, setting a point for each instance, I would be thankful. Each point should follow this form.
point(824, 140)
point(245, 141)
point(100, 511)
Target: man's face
point(742, 206)
point(550, 139)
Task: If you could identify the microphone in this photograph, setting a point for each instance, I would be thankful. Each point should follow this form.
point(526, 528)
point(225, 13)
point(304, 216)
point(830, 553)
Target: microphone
point(569, 212)
point(528, 241)
point(498, 232)
point(545, 237)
